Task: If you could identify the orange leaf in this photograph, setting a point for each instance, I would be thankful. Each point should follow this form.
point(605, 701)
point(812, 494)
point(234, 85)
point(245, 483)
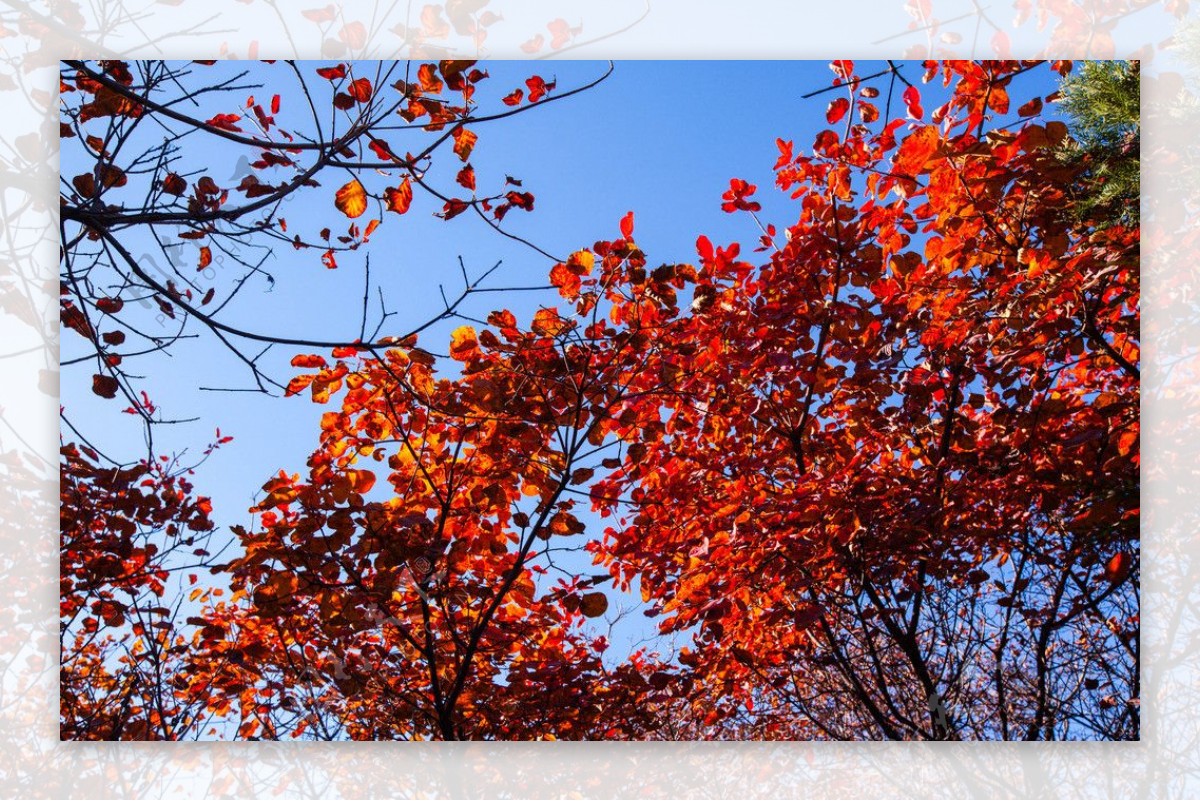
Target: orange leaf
point(429, 80)
point(547, 322)
point(1117, 568)
point(566, 280)
point(310, 360)
point(354, 35)
point(1031, 108)
point(351, 199)
point(1127, 441)
point(464, 142)
point(400, 198)
point(916, 150)
point(464, 345)
point(581, 262)
point(298, 384)
point(360, 480)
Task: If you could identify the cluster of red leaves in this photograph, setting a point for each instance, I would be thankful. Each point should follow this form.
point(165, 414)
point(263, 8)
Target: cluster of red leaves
point(422, 611)
point(937, 366)
point(119, 528)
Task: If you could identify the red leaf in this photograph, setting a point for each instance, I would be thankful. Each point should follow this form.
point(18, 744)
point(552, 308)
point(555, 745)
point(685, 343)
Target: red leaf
point(333, 73)
point(522, 200)
point(85, 184)
point(627, 225)
point(382, 150)
point(1001, 44)
point(785, 153)
point(843, 68)
point(912, 101)
point(560, 32)
point(105, 385)
point(538, 88)
point(360, 90)
point(837, 109)
point(735, 198)
point(225, 122)
point(1033, 107)
point(566, 280)
point(453, 208)
point(174, 184)
point(466, 177)
point(326, 14)
point(1118, 567)
point(593, 604)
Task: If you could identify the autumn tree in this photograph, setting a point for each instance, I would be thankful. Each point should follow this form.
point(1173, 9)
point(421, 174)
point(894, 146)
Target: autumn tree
point(127, 532)
point(171, 171)
point(883, 479)
point(897, 495)
point(447, 606)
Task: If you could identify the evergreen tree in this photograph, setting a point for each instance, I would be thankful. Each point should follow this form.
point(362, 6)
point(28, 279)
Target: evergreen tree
point(1103, 100)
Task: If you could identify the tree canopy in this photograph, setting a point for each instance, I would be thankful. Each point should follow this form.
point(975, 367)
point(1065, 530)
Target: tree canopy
point(879, 468)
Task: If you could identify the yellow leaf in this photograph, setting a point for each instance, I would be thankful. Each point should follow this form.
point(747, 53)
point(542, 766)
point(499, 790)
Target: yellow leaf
point(581, 261)
point(463, 343)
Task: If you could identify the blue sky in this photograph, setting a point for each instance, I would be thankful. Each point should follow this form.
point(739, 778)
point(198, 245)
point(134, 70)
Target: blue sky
point(659, 138)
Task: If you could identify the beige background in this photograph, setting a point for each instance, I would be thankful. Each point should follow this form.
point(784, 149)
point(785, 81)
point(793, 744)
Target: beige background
point(35, 34)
